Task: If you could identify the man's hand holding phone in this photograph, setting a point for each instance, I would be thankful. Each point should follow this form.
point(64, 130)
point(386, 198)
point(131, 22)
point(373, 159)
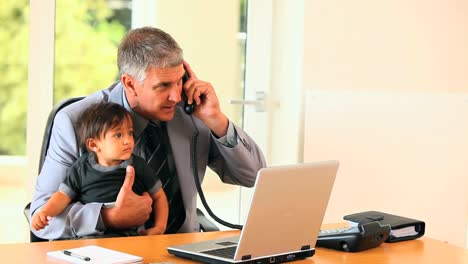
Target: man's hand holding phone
point(207, 107)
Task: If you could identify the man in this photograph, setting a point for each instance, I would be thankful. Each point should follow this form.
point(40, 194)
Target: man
point(151, 68)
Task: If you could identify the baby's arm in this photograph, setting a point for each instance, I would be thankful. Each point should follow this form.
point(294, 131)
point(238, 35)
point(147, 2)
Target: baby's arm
point(161, 212)
point(54, 206)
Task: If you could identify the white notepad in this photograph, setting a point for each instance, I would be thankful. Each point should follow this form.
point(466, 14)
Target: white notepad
point(97, 255)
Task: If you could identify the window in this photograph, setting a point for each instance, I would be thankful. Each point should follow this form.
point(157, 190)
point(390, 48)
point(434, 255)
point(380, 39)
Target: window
point(14, 56)
point(87, 34)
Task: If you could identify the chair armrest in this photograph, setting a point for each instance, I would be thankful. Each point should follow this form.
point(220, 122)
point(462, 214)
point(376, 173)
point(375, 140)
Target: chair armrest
point(27, 213)
point(205, 224)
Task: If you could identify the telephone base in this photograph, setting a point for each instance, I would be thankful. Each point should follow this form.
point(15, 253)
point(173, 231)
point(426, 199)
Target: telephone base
point(355, 239)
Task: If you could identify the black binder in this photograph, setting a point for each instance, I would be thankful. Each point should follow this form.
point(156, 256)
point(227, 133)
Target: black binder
point(402, 228)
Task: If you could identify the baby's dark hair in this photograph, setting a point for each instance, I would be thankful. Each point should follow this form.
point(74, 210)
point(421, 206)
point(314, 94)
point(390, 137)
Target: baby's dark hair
point(99, 118)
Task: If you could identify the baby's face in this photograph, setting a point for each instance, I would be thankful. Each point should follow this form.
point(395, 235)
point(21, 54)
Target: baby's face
point(116, 145)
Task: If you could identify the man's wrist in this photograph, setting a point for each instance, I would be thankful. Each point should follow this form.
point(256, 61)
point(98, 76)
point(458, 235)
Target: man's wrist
point(218, 125)
point(100, 226)
point(107, 216)
point(230, 139)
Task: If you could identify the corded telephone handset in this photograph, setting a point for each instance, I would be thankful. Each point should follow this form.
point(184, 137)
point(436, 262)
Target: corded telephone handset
point(189, 109)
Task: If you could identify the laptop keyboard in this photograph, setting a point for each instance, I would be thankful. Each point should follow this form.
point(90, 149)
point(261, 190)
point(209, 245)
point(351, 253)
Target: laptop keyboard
point(227, 252)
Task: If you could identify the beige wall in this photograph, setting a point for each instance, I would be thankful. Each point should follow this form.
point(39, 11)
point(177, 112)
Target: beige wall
point(388, 97)
point(393, 45)
point(207, 32)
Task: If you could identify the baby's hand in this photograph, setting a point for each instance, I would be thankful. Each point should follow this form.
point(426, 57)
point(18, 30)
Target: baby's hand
point(151, 231)
point(40, 220)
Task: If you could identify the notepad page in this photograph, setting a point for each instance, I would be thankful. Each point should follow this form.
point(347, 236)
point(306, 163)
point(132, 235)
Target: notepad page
point(97, 254)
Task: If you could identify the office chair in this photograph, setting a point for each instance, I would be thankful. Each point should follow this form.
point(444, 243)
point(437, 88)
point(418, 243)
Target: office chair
point(205, 224)
point(43, 154)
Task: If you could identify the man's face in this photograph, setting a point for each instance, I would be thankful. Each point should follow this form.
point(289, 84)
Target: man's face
point(158, 95)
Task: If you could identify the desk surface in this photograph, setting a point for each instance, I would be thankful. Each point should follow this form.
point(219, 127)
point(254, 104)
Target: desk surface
point(153, 249)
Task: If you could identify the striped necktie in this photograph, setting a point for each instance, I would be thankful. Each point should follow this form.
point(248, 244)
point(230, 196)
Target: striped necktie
point(155, 147)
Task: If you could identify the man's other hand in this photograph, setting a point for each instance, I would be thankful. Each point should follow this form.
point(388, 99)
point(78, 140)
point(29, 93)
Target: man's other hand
point(130, 209)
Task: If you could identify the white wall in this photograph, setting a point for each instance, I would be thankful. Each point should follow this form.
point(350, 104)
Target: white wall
point(386, 45)
point(388, 97)
point(402, 153)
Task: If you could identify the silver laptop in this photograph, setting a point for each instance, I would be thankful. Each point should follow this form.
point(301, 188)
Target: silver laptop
point(284, 219)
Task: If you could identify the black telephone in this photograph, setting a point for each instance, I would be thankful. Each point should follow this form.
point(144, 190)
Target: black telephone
point(355, 238)
point(188, 108)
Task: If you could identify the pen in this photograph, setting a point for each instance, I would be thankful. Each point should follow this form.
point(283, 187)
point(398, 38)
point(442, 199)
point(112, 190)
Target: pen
point(71, 254)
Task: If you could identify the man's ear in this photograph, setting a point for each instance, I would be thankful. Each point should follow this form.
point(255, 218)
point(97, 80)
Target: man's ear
point(129, 84)
point(92, 145)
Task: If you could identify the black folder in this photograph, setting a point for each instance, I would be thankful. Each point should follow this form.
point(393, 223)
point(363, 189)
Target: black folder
point(402, 228)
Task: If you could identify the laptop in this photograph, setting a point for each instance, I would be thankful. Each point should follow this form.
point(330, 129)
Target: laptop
point(284, 219)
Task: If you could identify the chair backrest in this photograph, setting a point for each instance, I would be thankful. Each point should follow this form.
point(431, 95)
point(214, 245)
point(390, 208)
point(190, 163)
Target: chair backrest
point(43, 153)
point(50, 124)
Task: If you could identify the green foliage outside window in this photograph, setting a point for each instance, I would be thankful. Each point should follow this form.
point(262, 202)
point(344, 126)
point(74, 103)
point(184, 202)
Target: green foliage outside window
point(14, 55)
point(85, 48)
point(87, 36)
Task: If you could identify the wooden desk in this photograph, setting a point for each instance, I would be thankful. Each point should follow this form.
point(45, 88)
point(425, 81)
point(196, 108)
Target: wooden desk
point(153, 249)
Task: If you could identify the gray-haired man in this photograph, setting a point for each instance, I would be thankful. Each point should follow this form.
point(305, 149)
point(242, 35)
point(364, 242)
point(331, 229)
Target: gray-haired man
point(151, 68)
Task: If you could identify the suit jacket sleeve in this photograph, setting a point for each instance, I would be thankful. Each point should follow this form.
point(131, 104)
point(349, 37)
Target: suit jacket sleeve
point(237, 164)
point(77, 219)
